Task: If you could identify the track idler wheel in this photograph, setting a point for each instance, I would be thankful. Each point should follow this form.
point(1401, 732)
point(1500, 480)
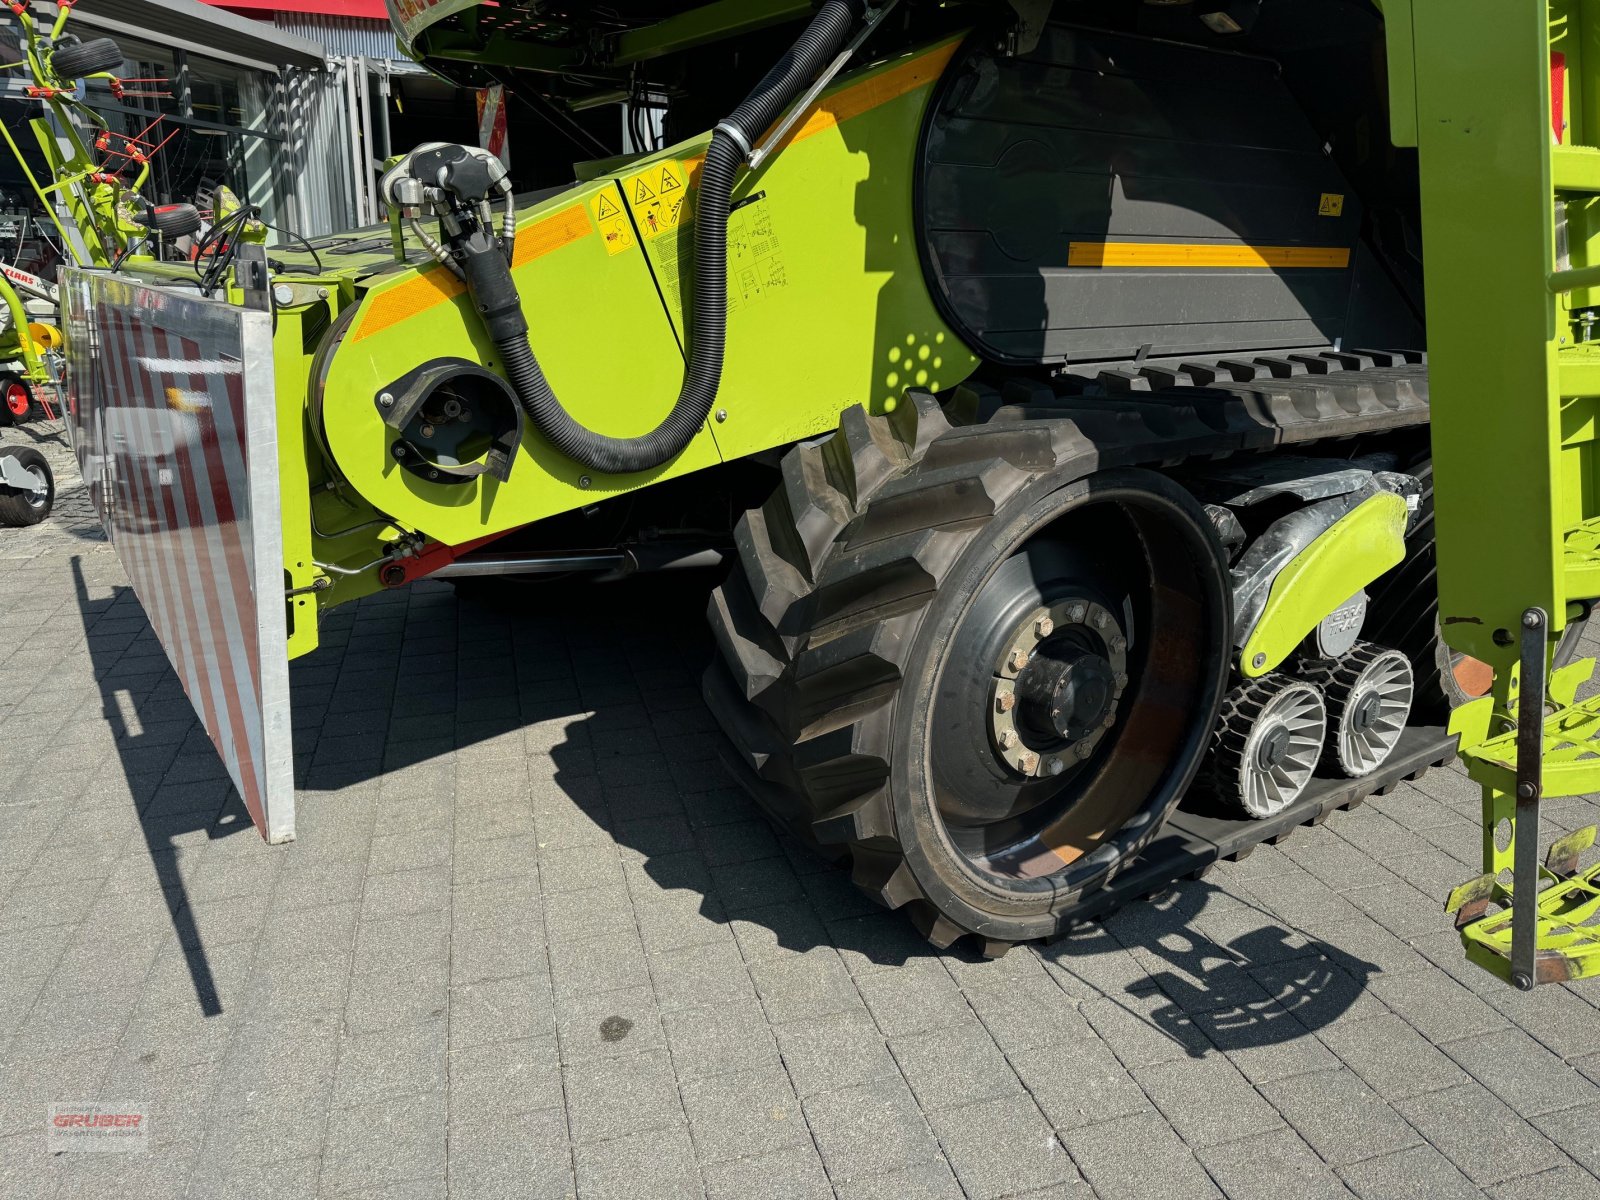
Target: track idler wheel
point(1369, 694)
point(1266, 746)
point(982, 670)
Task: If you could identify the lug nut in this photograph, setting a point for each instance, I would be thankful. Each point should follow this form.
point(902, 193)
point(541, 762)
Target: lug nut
point(1085, 749)
point(1005, 701)
point(1056, 766)
point(1076, 613)
point(1029, 763)
point(1008, 738)
point(1019, 659)
point(1122, 681)
point(1111, 719)
point(1044, 627)
point(1119, 643)
point(1101, 620)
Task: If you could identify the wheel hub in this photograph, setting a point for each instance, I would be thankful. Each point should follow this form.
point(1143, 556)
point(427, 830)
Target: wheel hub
point(1365, 711)
point(1274, 747)
point(1066, 692)
point(1057, 686)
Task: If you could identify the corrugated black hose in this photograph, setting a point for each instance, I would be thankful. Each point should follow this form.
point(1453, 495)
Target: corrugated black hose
point(495, 294)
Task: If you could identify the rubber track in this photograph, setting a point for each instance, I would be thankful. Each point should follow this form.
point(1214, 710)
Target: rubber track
point(836, 569)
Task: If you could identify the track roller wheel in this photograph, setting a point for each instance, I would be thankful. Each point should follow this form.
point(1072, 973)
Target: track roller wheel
point(1266, 746)
point(1369, 693)
point(982, 671)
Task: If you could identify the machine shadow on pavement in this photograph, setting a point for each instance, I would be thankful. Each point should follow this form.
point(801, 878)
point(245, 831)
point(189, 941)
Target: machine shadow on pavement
point(1208, 970)
point(604, 681)
point(173, 775)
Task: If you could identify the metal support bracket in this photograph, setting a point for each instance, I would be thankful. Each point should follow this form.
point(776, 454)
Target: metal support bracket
point(1530, 787)
point(769, 145)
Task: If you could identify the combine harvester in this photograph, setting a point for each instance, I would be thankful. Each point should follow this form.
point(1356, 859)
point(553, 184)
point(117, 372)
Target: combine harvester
point(1050, 376)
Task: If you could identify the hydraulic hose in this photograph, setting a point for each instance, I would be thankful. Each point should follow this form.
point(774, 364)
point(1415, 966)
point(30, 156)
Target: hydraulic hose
point(708, 322)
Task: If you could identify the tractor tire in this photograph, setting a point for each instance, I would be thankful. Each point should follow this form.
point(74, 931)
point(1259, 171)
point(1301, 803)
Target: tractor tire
point(970, 664)
point(74, 59)
point(173, 221)
point(19, 508)
point(16, 399)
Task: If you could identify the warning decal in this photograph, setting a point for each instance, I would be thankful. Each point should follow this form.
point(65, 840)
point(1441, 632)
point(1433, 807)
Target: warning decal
point(1332, 205)
point(657, 196)
point(615, 229)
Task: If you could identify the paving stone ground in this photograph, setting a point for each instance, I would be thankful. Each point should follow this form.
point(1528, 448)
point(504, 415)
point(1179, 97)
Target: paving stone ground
point(531, 942)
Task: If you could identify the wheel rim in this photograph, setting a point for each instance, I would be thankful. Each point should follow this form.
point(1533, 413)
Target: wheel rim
point(1281, 752)
point(1059, 731)
point(1375, 714)
point(17, 400)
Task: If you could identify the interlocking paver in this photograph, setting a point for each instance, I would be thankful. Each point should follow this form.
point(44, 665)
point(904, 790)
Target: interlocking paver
point(1206, 1100)
point(531, 942)
point(748, 1113)
point(951, 1067)
point(1002, 1147)
point(1269, 1166)
point(1418, 1171)
point(1478, 1133)
point(1137, 1158)
point(619, 1096)
point(1528, 1077)
point(868, 1130)
point(1342, 1118)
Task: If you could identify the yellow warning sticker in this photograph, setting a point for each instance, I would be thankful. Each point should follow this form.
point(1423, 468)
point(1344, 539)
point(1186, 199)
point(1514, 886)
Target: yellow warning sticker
point(1332, 205)
point(657, 196)
point(615, 229)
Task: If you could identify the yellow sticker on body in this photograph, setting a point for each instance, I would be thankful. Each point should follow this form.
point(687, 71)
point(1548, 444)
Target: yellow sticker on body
point(1332, 205)
point(657, 197)
point(615, 229)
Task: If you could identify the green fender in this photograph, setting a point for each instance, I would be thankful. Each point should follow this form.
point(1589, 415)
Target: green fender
point(1356, 549)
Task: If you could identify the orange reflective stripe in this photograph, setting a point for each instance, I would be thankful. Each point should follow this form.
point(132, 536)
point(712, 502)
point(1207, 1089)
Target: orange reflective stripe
point(1175, 254)
point(435, 285)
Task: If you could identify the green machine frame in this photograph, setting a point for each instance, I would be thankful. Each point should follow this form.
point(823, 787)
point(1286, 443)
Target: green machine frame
point(1504, 108)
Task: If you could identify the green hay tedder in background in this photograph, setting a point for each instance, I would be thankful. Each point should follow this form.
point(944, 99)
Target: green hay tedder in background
point(1049, 381)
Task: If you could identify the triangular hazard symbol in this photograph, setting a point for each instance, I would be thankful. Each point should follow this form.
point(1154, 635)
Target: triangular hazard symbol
point(641, 193)
point(607, 209)
point(669, 182)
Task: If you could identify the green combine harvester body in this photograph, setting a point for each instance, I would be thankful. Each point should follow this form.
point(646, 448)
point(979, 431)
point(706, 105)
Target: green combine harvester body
point(1051, 377)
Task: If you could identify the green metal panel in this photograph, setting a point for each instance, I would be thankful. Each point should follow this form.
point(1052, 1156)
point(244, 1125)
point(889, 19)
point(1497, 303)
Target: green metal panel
point(1356, 549)
point(829, 309)
point(829, 304)
point(600, 333)
point(1492, 321)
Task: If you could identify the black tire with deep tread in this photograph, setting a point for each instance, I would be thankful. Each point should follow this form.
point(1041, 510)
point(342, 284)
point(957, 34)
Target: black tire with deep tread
point(816, 621)
point(821, 619)
point(73, 59)
point(15, 506)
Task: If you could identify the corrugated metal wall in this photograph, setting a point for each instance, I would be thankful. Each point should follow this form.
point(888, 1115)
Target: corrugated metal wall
point(317, 150)
point(346, 36)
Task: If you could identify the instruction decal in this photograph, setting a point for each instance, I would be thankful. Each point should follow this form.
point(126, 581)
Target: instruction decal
point(1332, 205)
point(657, 196)
point(615, 229)
point(756, 265)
